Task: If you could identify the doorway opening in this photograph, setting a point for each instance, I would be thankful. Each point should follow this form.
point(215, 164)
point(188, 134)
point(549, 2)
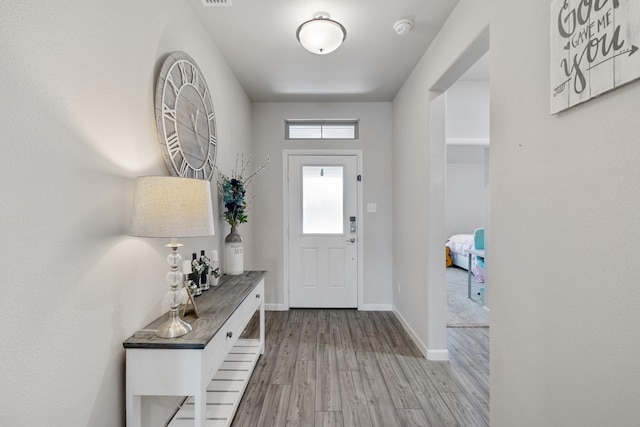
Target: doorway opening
point(467, 195)
point(436, 271)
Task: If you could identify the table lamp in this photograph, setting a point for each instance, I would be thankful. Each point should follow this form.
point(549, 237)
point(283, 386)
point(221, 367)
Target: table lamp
point(172, 207)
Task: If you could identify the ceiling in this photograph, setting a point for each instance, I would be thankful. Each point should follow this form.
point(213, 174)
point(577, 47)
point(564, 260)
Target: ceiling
point(258, 40)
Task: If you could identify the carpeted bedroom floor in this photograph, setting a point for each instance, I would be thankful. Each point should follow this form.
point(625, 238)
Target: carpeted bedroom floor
point(462, 311)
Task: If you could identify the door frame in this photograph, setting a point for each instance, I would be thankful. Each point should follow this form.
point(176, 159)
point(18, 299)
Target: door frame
point(286, 154)
point(436, 340)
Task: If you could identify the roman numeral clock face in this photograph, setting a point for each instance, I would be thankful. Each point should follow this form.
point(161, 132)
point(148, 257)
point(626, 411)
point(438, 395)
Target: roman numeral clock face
point(185, 118)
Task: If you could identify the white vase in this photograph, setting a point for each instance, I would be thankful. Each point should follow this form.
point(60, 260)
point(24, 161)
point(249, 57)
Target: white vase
point(215, 281)
point(233, 253)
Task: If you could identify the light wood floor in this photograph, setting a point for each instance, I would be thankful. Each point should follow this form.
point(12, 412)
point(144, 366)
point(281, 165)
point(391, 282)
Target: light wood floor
point(351, 368)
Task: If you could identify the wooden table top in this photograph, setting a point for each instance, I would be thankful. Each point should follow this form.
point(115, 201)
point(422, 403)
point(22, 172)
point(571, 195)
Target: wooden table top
point(215, 306)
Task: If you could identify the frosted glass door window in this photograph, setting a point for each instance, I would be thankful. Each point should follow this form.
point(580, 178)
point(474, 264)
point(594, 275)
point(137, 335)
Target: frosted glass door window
point(322, 200)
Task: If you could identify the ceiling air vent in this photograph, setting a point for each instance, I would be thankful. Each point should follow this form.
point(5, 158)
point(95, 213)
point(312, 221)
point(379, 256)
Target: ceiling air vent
point(217, 2)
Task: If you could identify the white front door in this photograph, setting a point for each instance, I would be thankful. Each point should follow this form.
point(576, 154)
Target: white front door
point(323, 231)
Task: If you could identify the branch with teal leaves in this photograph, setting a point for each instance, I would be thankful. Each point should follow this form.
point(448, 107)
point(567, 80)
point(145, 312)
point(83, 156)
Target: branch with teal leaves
point(233, 189)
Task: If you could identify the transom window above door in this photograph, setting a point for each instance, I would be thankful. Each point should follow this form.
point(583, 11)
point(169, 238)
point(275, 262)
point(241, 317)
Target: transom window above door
point(321, 129)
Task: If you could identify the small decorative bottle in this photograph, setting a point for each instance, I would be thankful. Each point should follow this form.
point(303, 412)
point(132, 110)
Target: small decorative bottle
point(204, 276)
point(195, 276)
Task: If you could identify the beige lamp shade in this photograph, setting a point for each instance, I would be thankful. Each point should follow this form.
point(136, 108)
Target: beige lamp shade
point(168, 206)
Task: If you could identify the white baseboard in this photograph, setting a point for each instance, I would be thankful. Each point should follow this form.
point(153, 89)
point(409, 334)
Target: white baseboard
point(376, 307)
point(468, 141)
point(436, 355)
point(366, 307)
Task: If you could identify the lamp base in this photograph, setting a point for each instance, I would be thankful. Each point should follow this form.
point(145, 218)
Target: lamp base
point(174, 327)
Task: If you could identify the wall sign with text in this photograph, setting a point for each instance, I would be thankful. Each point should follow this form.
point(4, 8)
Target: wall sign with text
point(594, 49)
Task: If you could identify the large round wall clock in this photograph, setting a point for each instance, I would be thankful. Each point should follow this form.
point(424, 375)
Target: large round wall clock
point(185, 118)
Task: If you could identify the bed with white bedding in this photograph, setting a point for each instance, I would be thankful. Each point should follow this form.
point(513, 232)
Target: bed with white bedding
point(459, 246)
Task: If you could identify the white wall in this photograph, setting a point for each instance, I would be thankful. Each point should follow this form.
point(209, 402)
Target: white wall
point(565, 203)
point(468, 112)
point(467, 124)
point(465, 197)
point(78, 126)
point(375, 143)
point(419, 237)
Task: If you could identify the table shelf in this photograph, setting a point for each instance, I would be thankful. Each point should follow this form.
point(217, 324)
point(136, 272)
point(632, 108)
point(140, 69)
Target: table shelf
point(223, 393)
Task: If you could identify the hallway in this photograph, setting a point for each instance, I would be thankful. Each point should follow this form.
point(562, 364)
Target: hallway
point(358, 368)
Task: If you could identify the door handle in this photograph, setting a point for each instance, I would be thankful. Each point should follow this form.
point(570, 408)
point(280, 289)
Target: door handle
point(351, 240)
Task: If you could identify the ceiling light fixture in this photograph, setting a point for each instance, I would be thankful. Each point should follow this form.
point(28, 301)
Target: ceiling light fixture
point(321, 35)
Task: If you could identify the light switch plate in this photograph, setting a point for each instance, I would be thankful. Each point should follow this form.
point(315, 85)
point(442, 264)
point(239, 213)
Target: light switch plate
point(372, 207)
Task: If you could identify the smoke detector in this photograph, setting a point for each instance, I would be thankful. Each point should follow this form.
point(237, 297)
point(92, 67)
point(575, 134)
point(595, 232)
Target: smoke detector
point(403, 26)
point(217, 2)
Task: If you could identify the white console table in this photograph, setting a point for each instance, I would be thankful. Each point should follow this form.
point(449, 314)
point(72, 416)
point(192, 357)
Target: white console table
point(209, 364)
